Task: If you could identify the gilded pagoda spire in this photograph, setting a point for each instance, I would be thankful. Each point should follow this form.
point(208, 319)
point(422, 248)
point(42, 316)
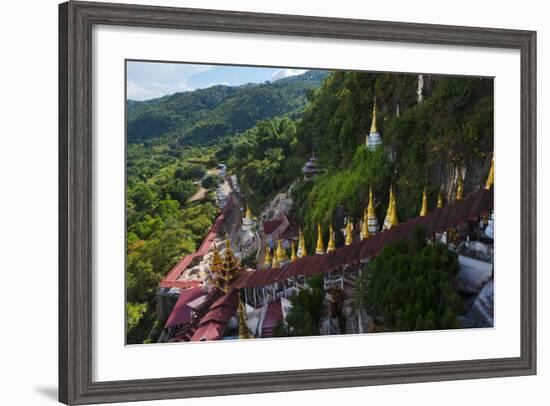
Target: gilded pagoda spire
point(282, 257)
point(393, 214)
point(331, 247)
point(349, 234)
point(230, 263)
point(491, 177)
point(244, 332)
point(365, 226)
point(275, 262)
point(440, 200)
point(424, 209)
point(302, 252)
point(459, 189)
point(248, 214)
point(320, 248)
point(374, 127)
point(373, 140)
point(216, 264)
point(267, 259)
point(293, 256)
point(387, 220)
point(372, 220)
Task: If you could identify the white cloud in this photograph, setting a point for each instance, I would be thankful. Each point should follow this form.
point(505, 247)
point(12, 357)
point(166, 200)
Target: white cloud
point(153, 90)
point(285, 73)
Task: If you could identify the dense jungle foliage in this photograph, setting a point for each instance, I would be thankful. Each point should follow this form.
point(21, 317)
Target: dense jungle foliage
point(408, 286)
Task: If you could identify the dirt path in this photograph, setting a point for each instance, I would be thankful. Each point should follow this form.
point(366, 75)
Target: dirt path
point(199, 195)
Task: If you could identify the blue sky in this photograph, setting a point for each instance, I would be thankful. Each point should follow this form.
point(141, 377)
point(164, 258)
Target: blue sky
point(149, 80)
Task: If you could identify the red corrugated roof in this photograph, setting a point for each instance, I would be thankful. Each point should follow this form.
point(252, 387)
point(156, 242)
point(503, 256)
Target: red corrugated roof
point(212, 326)
point(171, 279)
point(457, 213)
point(181, 313)
point(273, 315)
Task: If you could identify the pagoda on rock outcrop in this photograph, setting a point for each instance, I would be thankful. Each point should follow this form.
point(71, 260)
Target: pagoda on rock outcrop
point(248, 220)
point(373, 140)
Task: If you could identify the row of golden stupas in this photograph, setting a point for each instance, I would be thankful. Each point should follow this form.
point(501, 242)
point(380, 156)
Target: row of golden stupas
point(368, 226)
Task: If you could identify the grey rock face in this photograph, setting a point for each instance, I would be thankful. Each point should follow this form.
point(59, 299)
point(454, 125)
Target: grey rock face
point(481, 313)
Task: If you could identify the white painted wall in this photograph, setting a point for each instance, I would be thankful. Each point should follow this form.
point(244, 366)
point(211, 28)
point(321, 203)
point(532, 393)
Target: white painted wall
point(28, 207)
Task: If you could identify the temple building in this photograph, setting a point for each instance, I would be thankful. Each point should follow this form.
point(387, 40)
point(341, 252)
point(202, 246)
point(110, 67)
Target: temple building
point(311, 168)
point(282, 228)
point(373, 140)
point(236, 302)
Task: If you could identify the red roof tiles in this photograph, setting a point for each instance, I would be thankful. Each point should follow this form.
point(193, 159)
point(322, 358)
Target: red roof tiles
point(457, 213)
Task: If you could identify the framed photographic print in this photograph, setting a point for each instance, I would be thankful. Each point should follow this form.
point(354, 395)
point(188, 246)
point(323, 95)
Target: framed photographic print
point(257, 202)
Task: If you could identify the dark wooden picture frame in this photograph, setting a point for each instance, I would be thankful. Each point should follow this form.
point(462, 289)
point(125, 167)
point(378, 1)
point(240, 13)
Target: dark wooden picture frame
point(76, 20)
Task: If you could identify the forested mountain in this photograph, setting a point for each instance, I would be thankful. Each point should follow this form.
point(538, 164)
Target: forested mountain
point(425, 144)
point(266, 132)
point(204, 115)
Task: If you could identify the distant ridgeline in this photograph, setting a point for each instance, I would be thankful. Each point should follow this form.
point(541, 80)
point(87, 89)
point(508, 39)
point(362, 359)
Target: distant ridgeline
point(204, 115)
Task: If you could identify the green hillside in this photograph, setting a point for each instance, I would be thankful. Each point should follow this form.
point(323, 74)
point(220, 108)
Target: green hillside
point(204, 115)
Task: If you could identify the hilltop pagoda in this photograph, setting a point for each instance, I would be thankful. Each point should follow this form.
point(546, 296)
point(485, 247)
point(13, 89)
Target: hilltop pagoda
point(248, 220)
point(311, 168)
point(374, 140)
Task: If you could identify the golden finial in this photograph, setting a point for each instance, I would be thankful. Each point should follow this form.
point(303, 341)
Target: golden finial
point(491, 177)
point(293, 256)
point(230, 263)
point(267, 259)
point(216, 264)
point(393, 214)
point(424, 209)
point(373, 127)
point(349, 235)
point(440, 200)
point(320, 249)
point(248, 214)
point(302, 252)
point(331, 247)
point(244, 332)
point(459, 189)
point(281, 252)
